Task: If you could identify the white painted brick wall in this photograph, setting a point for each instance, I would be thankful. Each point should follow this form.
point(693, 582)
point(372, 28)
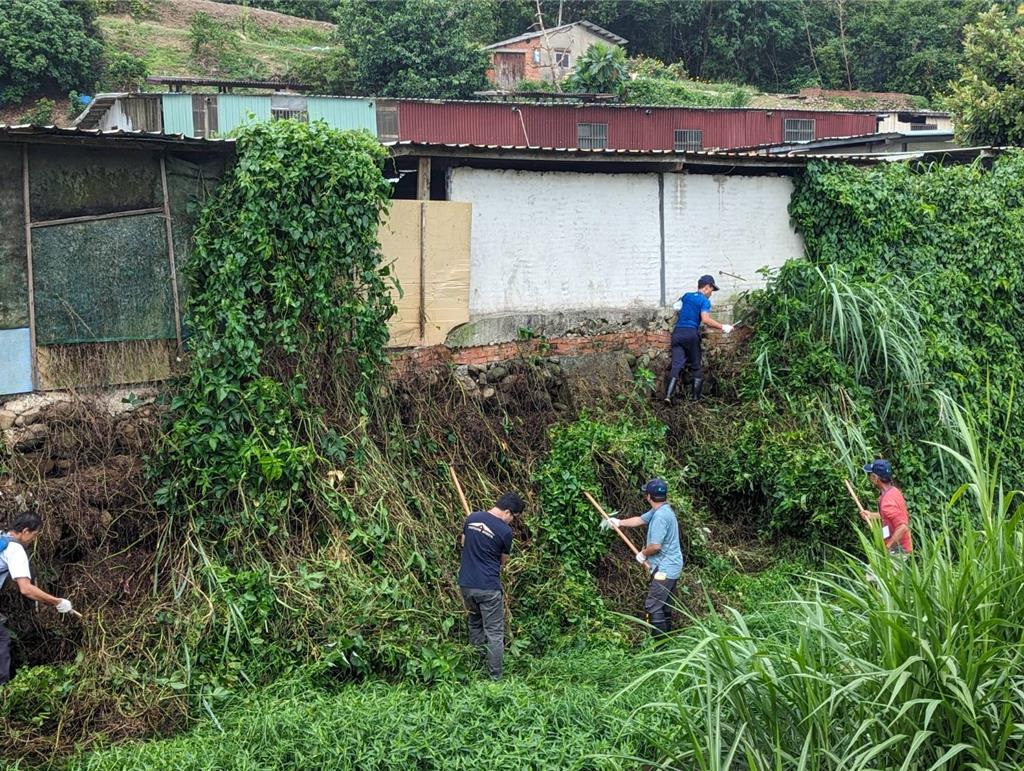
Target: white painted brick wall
point(725, 223)
point(550, 241)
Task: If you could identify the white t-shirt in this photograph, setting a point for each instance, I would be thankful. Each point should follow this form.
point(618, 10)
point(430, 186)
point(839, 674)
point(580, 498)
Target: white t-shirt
point(13, 562)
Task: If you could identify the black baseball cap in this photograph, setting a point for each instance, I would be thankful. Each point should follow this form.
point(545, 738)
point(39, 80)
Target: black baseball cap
point(707, 280)
point(880, 468)
point(656, 488)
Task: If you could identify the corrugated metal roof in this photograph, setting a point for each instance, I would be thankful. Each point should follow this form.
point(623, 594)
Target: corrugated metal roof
point(961, 153)
point(73, 132)
point(611, 37)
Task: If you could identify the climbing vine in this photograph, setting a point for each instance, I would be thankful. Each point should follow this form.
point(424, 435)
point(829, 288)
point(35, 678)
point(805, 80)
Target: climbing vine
point(286, 291)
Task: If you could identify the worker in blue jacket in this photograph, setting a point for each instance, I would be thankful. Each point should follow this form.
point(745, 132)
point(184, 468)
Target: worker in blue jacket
point(694, 309)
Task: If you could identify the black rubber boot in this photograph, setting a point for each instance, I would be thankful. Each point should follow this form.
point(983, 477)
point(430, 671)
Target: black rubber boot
point(698, 388)
point(670, 389)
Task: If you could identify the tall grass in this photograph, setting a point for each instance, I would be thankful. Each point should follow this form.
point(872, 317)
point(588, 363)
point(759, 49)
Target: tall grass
point(884, 664)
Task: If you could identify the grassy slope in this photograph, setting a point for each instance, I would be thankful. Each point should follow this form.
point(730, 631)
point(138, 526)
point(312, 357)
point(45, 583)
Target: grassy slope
point(275, 41)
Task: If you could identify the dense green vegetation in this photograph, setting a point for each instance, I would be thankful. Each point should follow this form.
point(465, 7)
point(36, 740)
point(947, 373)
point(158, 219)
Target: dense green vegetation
point(303, 611)
point(988, 99)
point(909, 286)
point(46, 45)
point(429, 48)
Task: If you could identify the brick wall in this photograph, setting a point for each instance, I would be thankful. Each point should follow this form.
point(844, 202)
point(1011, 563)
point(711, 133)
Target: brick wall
point(531, 71)
point(635, 341)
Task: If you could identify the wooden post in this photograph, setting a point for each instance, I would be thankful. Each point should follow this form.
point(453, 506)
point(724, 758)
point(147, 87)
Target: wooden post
point(423, 180)
point(170, 255)
point(423, 272)
point(27, 206)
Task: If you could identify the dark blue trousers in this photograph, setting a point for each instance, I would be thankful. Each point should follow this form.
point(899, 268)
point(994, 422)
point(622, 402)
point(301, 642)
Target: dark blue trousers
point(686, 352)
point(5, 653)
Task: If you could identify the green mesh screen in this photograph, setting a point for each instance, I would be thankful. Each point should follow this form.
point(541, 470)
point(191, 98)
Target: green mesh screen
point(13, 265)
point(102, 281)
point(76, 181)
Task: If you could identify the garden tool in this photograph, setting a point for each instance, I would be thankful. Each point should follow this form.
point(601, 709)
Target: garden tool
point(458, 488)
point(622, 535)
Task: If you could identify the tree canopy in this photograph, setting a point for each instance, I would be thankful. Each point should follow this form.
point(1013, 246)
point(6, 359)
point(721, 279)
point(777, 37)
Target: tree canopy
point(988, 99)
point(45, 45)
point(417, 48)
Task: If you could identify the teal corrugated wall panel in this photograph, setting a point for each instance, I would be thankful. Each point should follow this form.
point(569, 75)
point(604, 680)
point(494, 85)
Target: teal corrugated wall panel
point(342, 113)
point(178, 114)
point(233, 110)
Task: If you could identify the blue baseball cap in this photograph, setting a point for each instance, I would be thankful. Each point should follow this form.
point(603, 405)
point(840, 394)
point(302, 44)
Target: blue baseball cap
point(880, 468)
point(706, 280)
point(656, 488)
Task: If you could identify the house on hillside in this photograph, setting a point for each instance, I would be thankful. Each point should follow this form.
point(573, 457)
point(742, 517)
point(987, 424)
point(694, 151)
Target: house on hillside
point(544, 55)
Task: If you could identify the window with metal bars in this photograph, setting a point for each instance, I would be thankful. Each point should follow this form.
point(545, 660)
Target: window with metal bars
point(283, 107)
point(592, 136)
point(688, 140)
point(798, 130)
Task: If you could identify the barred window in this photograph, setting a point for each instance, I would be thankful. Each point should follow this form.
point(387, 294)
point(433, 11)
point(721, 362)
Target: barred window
point(798, 130)
point(284, 107)
point(592, 136)
point(688, 140)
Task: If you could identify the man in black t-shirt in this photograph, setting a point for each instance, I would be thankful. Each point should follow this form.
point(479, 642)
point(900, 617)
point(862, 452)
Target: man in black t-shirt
point(486, 544)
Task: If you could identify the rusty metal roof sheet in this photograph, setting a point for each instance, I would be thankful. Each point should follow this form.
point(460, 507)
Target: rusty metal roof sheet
point(961, 154)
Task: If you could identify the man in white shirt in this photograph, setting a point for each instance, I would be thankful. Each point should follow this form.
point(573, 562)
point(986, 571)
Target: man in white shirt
point(14, 563)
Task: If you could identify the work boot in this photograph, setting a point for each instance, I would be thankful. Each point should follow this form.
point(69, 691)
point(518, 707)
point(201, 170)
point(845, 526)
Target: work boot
point(670, 389)
point(698, 387)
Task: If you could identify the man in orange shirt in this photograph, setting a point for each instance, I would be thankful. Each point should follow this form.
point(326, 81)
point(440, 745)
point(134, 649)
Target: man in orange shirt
point(892, 509)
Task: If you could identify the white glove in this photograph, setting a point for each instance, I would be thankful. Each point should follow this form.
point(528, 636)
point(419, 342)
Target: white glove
point(611, 522)
point(64, 606)
point(641, 557)
point(726, 329)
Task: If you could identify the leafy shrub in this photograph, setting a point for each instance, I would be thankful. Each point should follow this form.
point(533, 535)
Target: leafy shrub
point(428, 48)
point(622, 451)
point(332, 72)
point(654, 69)
point(124, 72)
point(41, 114)
point(600, 70)
point(44, 46)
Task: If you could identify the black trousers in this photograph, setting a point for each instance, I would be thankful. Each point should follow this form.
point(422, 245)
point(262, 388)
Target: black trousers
point(686, 352)
point(659, 604)
point(5, 653)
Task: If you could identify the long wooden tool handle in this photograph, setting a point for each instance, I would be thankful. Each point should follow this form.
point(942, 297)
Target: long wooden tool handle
point(76, 613)
point(853, 494)
point(458, 487)
point(622, 535)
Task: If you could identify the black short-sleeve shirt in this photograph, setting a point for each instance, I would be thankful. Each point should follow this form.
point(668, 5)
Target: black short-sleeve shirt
point(487, 538)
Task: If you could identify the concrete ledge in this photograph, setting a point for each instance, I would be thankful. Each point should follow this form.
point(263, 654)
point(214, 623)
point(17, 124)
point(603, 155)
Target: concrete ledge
point(509, 327)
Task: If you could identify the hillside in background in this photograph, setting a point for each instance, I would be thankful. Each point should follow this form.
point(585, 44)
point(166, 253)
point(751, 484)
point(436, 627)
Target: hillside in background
point(232, 40)
point(207, 38)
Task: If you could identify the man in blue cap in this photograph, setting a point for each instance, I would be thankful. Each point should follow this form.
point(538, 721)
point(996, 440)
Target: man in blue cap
point(662, 555)
point(694, 309)
point(892, 511)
